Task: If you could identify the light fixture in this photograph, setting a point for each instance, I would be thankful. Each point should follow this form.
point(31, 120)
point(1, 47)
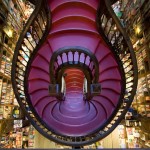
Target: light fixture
point(137, 30)
point(8, 31)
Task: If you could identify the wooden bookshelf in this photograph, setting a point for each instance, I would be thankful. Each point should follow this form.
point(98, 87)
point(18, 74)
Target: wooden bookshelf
point(11, 23)
point(136, 16)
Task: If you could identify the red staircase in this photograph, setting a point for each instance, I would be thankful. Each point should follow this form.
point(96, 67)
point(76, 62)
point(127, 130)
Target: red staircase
point(73, 24)
point(72, 119)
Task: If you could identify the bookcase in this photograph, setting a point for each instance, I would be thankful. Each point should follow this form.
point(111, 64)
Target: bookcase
point(142, 49)
point(136, 17)
point(13, 15)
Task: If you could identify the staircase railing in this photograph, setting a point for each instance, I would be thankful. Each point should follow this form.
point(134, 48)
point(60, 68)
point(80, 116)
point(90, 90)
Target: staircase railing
point(116, 38)
point(32, 37)
point(76, 57)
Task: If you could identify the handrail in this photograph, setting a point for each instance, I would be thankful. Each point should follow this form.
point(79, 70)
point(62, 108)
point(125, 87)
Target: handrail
point(31, 39)
point(92, 64)
point(116, 38)
point(77, 57)
point(29, 43)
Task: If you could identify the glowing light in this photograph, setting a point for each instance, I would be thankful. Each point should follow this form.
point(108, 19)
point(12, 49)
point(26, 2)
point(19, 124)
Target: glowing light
point(115, 28)
point(137, 30)
point(10, 33)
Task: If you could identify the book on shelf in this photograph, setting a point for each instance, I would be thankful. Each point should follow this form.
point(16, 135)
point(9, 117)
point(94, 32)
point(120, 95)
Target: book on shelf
point(1, 83)
point(3, 94)
point(3, 63)
point(8, 67)
point(1, 112)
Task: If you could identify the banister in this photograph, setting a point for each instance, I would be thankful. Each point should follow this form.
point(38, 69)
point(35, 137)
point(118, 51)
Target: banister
point(121, 49)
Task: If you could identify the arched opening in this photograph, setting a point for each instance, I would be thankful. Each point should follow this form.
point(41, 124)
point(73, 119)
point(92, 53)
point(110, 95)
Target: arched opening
point(73, 81)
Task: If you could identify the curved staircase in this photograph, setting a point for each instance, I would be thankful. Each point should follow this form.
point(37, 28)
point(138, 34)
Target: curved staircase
point(76, 78)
